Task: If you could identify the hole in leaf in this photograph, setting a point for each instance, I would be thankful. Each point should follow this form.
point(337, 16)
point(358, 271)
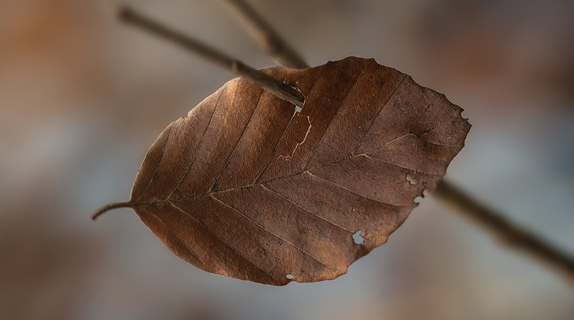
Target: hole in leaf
point(358, 238)
point(298, 109)
point(412, 179)
point(289, 276)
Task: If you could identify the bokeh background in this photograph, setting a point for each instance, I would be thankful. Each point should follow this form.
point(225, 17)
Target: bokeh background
point(82, 97)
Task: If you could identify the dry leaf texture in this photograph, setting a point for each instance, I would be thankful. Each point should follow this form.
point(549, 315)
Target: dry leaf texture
point(255, 188)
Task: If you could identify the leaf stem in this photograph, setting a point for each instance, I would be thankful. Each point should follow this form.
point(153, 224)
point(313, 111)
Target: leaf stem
point(502, 228)
point(273, 44)
point(110, 206)
point(281, 90)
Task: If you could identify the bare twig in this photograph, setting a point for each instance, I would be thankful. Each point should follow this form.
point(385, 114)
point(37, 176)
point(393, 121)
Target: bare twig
point(266, 36)
point(503, 229)
point(234, 66)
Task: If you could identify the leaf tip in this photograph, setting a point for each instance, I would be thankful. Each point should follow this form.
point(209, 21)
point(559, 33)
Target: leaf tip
point(110, 206)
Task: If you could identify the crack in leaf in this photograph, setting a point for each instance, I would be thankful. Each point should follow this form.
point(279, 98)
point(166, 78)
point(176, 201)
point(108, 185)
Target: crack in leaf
point(281, 138)
point(302, 141)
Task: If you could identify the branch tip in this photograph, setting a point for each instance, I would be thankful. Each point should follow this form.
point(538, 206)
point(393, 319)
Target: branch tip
point(125, 13)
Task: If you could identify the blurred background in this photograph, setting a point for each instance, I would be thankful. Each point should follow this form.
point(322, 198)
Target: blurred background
point(82, 97)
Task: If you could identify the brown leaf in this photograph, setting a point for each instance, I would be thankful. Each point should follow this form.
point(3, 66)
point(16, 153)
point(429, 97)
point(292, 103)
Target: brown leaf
point(255, 188)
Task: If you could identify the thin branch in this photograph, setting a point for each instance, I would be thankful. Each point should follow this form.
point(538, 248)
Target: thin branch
point(266, 36)
point(281, 90)
point(503, 229)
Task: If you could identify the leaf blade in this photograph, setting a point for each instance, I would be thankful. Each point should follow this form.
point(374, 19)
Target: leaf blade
point(250, 187)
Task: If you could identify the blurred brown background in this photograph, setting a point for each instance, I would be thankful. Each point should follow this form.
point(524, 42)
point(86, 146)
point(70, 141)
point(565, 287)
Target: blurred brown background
point(82, 97)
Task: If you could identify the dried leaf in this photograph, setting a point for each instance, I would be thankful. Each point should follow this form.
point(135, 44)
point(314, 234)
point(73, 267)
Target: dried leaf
point(255, 188)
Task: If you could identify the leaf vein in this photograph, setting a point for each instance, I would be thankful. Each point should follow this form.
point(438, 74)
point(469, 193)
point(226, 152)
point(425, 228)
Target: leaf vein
point(192, 252)
point(353, 192)
point(379, 113)
point(343, 101)
point(307, 211)
point(238, 141)
point(224, 242)
point(158, 163)
point(198, 147)
point(271, 233)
